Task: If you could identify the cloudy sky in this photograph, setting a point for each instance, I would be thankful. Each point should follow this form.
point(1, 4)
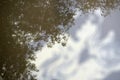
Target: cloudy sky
point(92, 51)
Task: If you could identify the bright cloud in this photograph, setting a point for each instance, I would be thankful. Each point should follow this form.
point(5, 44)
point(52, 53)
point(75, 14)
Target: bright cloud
point(62, 63)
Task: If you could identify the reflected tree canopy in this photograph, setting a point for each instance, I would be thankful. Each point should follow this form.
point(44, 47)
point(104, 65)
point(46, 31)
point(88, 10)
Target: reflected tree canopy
point(26, 25)
point(104, 5)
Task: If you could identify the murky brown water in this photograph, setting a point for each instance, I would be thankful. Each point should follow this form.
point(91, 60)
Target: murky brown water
point(26, 26)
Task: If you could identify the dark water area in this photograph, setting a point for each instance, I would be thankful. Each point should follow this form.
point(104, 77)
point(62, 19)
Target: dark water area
point(27, 26)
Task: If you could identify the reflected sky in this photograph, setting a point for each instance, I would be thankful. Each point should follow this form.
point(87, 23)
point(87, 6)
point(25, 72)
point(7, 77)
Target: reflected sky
point(63, 39)
point(113, 76)
point(91, 53)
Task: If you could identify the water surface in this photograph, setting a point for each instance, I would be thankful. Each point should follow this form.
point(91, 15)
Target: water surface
point(59, 40)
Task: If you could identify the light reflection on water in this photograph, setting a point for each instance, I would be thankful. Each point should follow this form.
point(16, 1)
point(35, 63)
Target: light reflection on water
point(72, 39)
point(100, 55)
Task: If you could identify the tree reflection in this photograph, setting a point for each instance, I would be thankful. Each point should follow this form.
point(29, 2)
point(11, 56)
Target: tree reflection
point(26, 25)
point(42, 20)
point(106, 6)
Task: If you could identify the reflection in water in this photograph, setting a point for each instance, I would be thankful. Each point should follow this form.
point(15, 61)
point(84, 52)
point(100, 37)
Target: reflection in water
point(26, 26)
point(105, 5)
point(84, 56)
point(113, 76)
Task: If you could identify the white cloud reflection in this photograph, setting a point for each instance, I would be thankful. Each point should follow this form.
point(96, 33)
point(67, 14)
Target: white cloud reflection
point(63, 63)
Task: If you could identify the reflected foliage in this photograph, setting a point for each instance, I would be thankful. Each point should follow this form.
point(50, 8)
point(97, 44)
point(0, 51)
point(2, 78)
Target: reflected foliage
point(42, 20)
point(106, 6)
point(26, 25)
point(23, 26)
